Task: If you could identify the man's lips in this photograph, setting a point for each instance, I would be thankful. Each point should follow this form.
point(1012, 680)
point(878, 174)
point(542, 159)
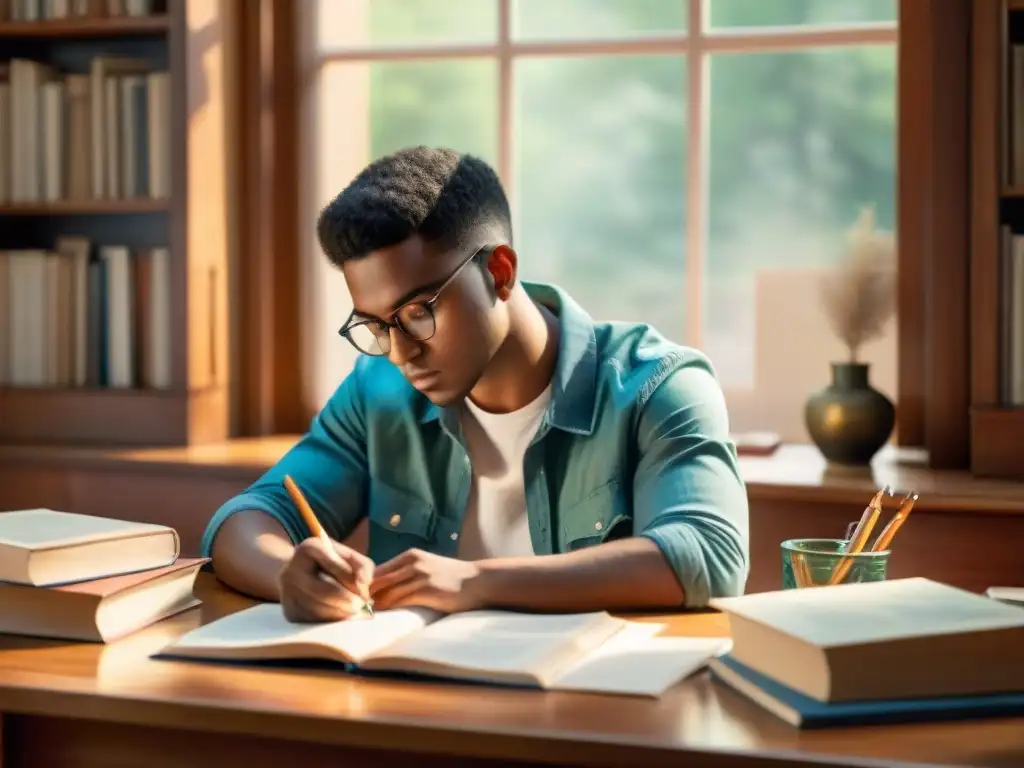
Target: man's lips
point(421, 377)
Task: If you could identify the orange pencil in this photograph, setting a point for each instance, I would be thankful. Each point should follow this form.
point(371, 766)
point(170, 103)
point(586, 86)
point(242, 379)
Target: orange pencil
point(886, 536)
point(860, 536)
point(315, 528)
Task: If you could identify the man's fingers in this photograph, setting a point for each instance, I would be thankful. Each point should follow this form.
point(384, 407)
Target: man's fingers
point(361, 566)
point(395, 563)
point(391, 579)
point(318, 597)
point(403, 593)
point(326, 560)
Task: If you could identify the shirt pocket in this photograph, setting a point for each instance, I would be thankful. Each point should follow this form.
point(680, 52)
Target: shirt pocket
point(602, 515)
point(398, 521)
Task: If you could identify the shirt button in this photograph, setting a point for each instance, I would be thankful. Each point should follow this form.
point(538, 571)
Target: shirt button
point(598, 526)
point(395, 520)
point(455, 536)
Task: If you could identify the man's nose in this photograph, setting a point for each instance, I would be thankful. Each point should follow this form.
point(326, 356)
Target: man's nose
point(403, 349)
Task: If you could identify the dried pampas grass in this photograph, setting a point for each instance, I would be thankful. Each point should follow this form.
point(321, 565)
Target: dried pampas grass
point(859, 295)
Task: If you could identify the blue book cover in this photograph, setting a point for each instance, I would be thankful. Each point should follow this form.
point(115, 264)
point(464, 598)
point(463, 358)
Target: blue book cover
point(804, 712)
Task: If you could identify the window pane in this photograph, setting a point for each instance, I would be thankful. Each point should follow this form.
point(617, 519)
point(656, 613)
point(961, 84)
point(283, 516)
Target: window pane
point(788, 13)
point(445, 103)
point(573, 19)
point(383, 23)
point(600, 182)
point(800, 141)
point(358, 113)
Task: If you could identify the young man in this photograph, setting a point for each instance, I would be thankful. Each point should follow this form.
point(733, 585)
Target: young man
point(508, 451)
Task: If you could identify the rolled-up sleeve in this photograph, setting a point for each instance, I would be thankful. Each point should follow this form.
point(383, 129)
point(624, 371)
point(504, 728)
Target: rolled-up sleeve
point(328, 464)
point(688, 495)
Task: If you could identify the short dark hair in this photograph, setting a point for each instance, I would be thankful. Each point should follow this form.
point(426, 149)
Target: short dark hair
point(439, 194)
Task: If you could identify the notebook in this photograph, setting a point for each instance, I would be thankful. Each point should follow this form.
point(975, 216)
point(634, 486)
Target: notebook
point(44, 547)
point(568, 652)
point(100, 610)
point(903, 638)
point(804, 712)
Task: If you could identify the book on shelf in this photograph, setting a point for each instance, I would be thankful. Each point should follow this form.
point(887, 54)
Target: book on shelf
point(77, 316)
point(1012, 133)
point(42, 10)
point(1011, 317)
point(69, 136)
point(592, 652)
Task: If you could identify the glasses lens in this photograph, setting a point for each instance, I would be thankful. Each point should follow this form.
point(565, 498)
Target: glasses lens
point(370, 339)
point(417, 320)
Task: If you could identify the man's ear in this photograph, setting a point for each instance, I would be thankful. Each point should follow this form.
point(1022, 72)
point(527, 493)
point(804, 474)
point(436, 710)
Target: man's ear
point(503, 265)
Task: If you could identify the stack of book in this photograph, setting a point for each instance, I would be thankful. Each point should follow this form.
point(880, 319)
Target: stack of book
point(86, 578)
point(883, 652)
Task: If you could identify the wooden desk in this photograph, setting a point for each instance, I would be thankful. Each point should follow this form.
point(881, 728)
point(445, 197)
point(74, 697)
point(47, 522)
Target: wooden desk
point(94, 706)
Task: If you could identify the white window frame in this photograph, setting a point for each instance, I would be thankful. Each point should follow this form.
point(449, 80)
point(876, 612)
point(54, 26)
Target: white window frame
point(697, 44)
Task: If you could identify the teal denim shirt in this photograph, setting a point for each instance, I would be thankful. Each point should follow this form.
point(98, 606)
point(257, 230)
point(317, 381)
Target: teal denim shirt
point(635, 441)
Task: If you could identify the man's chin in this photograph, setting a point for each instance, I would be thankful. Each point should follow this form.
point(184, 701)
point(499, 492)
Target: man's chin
point(443, 399)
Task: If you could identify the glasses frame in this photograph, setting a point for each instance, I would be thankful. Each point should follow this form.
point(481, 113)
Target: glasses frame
point(428, 305)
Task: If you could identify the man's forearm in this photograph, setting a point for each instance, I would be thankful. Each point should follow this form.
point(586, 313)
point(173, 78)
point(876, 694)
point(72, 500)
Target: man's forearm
point(625, 574)
point(249, 552)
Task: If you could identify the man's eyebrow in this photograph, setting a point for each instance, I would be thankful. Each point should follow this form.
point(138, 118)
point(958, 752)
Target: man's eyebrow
point(410, 295)
point(405, 299)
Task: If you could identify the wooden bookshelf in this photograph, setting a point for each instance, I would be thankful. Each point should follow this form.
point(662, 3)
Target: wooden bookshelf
point(190, 40)
point(85, 27)
point(84, 207)
point(997, 220)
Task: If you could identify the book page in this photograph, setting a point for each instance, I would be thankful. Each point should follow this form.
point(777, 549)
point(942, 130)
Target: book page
point(636, 663)
point(262, 632)
point(498, 646)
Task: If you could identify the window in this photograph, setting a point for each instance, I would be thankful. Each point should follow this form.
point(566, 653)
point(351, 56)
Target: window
point(678, 162)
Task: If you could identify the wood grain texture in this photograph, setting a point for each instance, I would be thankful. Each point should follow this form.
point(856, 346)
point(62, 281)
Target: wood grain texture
point(946, 276)
point(911, 153)
point(91, 705)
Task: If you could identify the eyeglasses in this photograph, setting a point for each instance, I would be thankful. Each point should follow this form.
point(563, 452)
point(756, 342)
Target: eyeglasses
point(415, 319)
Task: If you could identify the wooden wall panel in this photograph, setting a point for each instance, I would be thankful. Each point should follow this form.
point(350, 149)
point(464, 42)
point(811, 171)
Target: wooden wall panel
point(965, 548)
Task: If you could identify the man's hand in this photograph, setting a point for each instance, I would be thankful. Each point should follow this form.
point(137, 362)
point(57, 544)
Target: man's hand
point(318, 585)
point(419, 578)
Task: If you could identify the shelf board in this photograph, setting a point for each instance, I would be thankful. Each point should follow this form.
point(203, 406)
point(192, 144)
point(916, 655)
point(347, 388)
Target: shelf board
point(91, 416)
point(104, 392)
point(124, 26)
point(1015, 5)
point(84, 207)
point(1014, 190)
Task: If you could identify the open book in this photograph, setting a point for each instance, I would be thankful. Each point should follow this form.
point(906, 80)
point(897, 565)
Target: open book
point(579, 652)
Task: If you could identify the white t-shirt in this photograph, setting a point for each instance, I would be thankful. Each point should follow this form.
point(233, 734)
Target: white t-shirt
point(495, 524)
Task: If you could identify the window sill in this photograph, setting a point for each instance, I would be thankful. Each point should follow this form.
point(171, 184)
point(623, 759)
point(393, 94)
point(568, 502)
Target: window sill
point(794, 473)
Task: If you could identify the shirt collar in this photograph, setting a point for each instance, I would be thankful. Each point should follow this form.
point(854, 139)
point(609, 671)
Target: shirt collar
point(573, 406)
